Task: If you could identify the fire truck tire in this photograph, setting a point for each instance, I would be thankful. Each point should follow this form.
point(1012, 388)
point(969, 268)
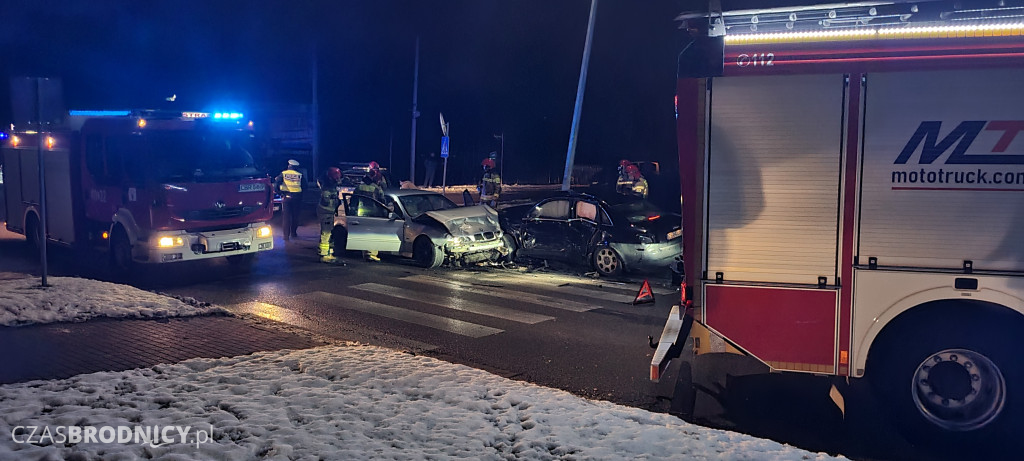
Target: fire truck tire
point(426, 254)
point(952, 385)
point(121, 253)
point(607, 262)
point(33, 231)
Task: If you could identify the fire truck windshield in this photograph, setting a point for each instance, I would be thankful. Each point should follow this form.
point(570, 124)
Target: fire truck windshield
point(202, 156)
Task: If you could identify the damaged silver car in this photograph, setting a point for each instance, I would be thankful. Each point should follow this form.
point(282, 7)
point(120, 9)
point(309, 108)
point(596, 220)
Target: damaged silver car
point(422, 225)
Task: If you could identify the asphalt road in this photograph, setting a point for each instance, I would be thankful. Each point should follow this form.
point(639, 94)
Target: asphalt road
point(551, 326)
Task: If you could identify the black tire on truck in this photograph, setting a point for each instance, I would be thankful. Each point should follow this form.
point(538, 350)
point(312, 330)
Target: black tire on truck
point(121, 254)
point(949, 376)
point(33, 231)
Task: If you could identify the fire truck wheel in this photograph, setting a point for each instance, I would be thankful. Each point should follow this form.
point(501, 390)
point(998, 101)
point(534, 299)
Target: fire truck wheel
point(607, 261)
point(121, 253)
point(425, 253)
point(33, 231)
point(951, 385)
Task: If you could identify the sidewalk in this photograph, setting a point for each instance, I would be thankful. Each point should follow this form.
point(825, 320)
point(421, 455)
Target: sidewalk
point(62, 350)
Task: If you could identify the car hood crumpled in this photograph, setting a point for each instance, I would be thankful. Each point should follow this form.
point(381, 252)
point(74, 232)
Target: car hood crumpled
point(467, 220)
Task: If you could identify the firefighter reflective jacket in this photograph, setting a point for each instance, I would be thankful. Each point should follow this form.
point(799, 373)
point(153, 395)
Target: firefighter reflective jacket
point(289, 181)
point(370, 190)
point(490, 186)
point(329, 198)
point(639, 188)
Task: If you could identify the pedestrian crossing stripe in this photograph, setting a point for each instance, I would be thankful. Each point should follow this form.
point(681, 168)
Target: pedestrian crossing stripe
point(448, 302)
point(518, 296)
point(437, 322)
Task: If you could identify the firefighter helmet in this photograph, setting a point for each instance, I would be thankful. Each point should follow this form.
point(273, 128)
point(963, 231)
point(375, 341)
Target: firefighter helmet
point(334, 173)
point(374, 166)
point(633, 172)
point(293, 162)
point(624, 163)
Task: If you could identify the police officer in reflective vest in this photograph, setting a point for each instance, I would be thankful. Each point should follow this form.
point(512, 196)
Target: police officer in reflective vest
point(289, 185)
point(490, 184)
point(326, 210)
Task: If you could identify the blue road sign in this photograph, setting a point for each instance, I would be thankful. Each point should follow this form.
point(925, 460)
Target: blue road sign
point(444, 147)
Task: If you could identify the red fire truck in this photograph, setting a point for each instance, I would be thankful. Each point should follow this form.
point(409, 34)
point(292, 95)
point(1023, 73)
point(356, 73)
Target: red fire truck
point(149, 186)
point(853, 192)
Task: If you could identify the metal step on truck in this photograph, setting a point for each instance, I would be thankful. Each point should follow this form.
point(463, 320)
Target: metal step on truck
point(853, 204)
point(148, 187)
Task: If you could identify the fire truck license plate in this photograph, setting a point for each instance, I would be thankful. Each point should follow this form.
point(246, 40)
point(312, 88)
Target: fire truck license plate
point(253, 187)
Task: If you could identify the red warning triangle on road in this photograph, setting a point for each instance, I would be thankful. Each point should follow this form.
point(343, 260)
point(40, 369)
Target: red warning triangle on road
point(644, 295)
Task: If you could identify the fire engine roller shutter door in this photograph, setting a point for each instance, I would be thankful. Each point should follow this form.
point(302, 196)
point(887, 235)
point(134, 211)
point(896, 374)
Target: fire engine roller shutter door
point(773, 189)
point(934, 208)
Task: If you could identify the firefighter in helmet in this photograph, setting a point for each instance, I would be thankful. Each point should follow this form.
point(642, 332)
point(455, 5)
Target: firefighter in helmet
point(377, 176)
point(327, 209)
point(289, 185)
point(624, 184)
point(369, 188)
point(490, 184)
point(638, 185)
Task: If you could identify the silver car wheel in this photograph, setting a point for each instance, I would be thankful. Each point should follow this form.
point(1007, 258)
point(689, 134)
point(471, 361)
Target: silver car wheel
point(607, 261)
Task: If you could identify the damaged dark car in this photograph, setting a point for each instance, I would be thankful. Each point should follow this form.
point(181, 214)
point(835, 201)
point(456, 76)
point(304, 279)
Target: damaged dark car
point(621, 235)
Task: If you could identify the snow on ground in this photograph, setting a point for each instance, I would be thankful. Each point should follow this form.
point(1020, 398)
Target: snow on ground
point(70, 299)
point(354, 402)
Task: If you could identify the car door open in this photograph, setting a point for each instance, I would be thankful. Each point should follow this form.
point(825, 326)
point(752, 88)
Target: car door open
point(371, 225)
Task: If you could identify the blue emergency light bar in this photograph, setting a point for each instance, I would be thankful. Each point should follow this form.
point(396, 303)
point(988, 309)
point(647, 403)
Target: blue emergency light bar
point(100, 113)
point(227, 115)
point(3, 135)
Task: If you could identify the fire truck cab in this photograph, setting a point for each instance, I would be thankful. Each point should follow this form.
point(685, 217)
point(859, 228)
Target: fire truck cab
point(149, 186)
point(853, 203)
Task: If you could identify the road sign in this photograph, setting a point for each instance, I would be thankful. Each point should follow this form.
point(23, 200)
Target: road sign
point(444, 147)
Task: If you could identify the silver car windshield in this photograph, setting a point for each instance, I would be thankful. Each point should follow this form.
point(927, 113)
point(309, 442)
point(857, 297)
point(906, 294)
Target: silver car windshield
point(416, 205)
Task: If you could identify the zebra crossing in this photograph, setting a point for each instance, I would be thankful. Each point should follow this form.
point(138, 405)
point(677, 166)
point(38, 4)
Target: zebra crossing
point(519, 298)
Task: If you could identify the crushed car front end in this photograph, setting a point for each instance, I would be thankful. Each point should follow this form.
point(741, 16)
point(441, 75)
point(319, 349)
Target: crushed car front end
point(472, 234)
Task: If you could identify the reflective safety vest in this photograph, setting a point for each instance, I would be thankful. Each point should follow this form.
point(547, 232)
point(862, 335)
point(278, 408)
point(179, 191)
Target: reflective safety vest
point(624, 184)
point(640, 188)
point(329, 199)
point(291, 181)
point(370, 190)
point(490, 186)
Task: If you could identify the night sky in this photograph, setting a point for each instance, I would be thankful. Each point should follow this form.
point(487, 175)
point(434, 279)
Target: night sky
point(490, 66)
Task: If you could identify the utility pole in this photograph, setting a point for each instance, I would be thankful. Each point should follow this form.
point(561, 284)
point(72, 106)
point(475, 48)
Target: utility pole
point(571, 154)
point(316, 120)
point(415, 114)
point(501, 156)
point(40, 139)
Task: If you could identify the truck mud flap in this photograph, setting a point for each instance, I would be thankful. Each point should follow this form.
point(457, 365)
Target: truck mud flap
point(673, 337)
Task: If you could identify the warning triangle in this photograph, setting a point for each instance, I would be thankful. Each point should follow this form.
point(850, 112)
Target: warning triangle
point(644, 295)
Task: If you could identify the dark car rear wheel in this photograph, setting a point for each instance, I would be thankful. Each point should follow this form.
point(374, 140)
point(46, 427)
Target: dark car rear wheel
point(607, 262)
point(426, 253)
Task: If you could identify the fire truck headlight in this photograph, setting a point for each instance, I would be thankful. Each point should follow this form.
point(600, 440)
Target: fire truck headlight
point(263, 232)
point(170, 242)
